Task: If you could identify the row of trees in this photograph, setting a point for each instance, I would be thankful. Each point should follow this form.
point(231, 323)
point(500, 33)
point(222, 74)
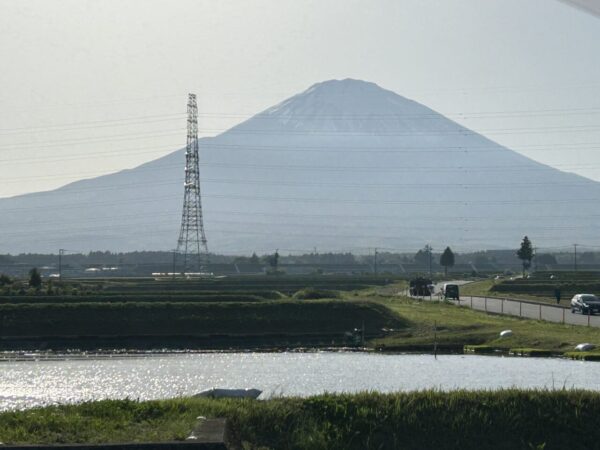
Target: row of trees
point(35, 279)
point(525, 254)
point(447, 258)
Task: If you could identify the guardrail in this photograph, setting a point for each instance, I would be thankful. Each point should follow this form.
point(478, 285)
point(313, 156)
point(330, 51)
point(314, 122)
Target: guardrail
point(525, 309)
point(530, 310)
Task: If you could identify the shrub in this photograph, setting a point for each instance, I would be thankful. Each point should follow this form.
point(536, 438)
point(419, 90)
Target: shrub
point(315, 294)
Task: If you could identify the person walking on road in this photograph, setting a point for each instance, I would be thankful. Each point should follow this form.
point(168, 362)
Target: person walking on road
point(557, 295)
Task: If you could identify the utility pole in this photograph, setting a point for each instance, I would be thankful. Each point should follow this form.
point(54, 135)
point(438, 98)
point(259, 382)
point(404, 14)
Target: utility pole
point(174, 263)
point(535, 266)
point(575, 257)
point(430, 257)
point(61, 252)
point(375, 263)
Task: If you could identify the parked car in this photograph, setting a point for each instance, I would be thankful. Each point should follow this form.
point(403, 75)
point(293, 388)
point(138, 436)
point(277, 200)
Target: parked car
point(585, 304)
point(450, 290)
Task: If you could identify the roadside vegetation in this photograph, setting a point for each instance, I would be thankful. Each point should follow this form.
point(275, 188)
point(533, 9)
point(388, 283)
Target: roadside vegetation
point(539, 286)
point(506, 419)
point(453, 326)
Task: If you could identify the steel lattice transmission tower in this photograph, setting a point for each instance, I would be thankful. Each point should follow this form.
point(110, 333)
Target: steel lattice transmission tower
point(192, 251)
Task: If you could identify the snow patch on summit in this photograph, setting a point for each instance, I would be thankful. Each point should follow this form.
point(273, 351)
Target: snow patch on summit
point(351, 106)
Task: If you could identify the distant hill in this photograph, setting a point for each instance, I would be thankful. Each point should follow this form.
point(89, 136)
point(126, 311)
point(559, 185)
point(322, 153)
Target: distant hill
point(345, 165)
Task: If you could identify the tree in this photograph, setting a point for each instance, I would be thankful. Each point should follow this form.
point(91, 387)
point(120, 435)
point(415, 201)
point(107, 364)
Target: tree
point(5, 279)
point(35, 279)
point(423, 255)
point(525, 254)
point(274, 260)
point(254, 259)
point(447, 260)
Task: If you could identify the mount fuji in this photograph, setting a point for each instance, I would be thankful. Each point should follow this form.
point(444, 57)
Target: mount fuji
point(342, 166)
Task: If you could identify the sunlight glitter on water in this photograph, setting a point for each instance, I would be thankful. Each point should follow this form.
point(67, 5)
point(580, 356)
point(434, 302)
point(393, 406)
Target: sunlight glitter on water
point(26, 384)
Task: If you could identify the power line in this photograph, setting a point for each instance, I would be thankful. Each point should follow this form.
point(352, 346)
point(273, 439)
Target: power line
point(516, 168)
point(139, 120)
point(100, 225)
point(94, 155)
point(345, 217)
point(285, 234)
point(79, 141)
point(458, 202)
point(318, 149)
point(459, 131)
point(306, 183)
point(268, 115)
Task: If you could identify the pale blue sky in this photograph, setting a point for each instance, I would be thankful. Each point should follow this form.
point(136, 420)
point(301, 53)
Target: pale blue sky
point(526, 73)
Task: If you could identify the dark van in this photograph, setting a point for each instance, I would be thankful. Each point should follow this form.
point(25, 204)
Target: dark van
point(450, 291)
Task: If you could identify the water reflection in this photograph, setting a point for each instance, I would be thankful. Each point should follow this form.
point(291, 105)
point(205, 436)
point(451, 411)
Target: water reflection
point(33, 383)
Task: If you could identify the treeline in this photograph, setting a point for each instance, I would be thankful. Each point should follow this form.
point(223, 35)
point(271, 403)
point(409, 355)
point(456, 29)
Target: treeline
point(107, 258)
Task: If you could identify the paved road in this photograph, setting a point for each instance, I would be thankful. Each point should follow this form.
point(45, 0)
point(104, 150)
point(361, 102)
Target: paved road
point(521, 308)
point(530, 310)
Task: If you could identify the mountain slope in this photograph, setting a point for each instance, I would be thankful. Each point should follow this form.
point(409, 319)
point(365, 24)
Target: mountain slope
point(345, 165)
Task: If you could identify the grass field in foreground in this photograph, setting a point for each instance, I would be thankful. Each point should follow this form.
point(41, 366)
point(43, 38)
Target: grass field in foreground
point(507, 419)
point(459, 325)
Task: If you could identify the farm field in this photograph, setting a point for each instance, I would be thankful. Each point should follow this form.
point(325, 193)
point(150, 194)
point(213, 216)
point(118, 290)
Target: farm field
point(265, 313)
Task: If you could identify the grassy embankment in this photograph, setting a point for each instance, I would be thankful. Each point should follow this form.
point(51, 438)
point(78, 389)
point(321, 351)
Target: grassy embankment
point(190, 325)
point(234, 312)
point(269, 313)
point(453, 326)
point(508, 419)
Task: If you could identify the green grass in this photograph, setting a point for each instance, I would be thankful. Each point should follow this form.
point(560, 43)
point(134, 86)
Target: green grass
point(538, 288)
point(532, 352)
point(313, 294)
point(456, 325)
point(476, 288)
point(392, 322)
point(484, 349)
point(287, 284)
point(484, 288)
point(506, 419)
point(137, 298)
point(158, 319)
point(584, 356)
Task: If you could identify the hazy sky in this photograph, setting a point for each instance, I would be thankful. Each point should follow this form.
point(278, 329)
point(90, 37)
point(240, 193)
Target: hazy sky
point(91, 87)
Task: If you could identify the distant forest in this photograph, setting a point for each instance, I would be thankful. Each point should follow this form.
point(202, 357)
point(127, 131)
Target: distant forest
point(107, 258)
